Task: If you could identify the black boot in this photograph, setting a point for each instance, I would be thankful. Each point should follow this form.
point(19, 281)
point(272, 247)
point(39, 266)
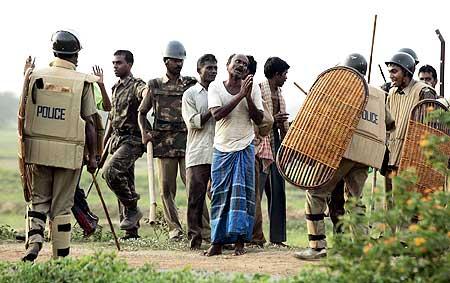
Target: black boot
point(32, 252)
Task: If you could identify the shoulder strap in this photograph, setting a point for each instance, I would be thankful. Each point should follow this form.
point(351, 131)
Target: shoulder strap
point(154, 83)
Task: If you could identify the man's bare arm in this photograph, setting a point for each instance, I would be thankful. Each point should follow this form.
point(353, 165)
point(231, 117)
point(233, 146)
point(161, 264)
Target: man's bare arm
point(144, 108)
point(223, 111)
point(255, 114)
point(108, 133)
point(204, 117)
point(105, 98)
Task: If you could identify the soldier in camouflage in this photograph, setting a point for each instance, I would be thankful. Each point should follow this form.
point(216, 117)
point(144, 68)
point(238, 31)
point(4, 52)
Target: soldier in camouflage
point(125, 145)
point(169, 132)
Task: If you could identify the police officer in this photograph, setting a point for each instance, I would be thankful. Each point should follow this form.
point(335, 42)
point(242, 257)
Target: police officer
point(428, 75)
point(370, 133)
point(125, 145)
point(404, 94)
point(169, 130)
point(410, 52)
point(387, 86)
point(59, 109)
point(384, 170)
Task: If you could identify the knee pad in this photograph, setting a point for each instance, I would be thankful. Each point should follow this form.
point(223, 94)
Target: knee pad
point(61, 229)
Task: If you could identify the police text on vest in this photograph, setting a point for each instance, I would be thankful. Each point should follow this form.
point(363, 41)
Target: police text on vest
point(370, 117)
point(51, 112)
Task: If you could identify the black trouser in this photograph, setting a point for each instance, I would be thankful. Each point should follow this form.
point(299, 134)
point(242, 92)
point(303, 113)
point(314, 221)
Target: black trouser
point(197, 178)
point(274, 187)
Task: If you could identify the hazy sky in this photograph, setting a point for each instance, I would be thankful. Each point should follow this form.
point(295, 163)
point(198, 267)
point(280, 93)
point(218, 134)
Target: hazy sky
point(310, 35)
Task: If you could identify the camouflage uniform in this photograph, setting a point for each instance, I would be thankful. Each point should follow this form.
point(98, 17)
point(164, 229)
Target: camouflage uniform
point(169, 140)
point(125, 145)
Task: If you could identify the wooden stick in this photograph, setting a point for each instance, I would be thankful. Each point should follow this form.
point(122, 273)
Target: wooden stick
point(374, 180)
point(371, 48)
point(101, 162)
point(300, 88)
point(106, 211)
point(151, 184)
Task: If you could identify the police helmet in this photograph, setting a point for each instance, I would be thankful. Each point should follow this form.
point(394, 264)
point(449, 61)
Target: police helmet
point(65, 42)
point(410, 52)
point(175, 49)
point(403, 60)
point(357, 62)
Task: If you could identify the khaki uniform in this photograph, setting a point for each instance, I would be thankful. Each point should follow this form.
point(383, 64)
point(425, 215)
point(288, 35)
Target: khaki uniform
point(126, 142)
point(369, 136)
point(58, 98)
point(169, 140)
point(400, 103)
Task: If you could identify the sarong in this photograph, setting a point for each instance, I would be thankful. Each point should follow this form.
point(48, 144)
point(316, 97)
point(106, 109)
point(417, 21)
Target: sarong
point(233, 196)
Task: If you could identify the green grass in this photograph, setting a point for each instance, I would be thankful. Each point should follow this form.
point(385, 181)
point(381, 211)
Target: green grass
point(103, 267)
point(8, 144)
point(12, 204)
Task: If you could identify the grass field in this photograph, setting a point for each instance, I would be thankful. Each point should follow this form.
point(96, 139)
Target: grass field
point(12, 205)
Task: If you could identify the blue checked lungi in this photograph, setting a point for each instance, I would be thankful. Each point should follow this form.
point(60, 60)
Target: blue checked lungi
point(233, 195)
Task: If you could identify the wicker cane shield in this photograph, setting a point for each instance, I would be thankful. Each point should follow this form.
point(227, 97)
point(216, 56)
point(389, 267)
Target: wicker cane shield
point(322, 130)
point(412, 154)
point(24, 169)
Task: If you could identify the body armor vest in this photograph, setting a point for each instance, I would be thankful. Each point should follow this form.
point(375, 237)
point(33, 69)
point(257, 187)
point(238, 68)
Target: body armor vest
point(54, 132)
point(400, 106)
point(167, 100)
point(368, 141)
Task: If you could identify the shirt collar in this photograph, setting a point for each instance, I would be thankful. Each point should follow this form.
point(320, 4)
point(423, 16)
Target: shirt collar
point(406, 89)
point(125, 81)
point(165, 79)
point(60, 63)
point(199, 88)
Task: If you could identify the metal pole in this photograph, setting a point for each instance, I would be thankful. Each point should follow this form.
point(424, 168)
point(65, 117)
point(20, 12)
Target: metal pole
point(442, 65)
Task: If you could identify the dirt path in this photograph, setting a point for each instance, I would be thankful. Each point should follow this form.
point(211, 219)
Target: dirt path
point(269, 261)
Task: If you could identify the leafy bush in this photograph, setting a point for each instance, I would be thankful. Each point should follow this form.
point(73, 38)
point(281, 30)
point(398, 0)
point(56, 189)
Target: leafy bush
point(415, 235)
point(6, 232)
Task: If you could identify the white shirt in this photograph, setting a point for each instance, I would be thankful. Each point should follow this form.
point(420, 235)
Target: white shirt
point(200, 138)
point(235, 131)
